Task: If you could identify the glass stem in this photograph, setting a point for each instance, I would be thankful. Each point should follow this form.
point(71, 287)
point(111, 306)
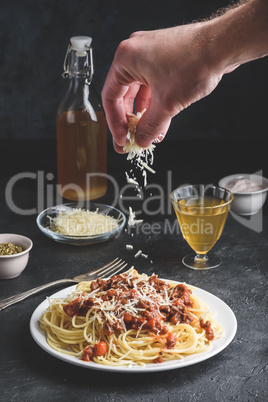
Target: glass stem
point(201, 258)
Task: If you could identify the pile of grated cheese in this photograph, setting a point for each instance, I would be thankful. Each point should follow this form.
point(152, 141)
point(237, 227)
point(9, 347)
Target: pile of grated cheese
point(81, 222)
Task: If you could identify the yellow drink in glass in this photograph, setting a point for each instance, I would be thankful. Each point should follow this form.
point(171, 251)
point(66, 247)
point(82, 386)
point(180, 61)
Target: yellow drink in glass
point(201, 212)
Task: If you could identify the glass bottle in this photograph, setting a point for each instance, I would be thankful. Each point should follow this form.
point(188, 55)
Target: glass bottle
point(81, 129)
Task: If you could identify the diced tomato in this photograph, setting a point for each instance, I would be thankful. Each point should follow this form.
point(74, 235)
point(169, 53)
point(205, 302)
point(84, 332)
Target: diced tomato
point(100, 349)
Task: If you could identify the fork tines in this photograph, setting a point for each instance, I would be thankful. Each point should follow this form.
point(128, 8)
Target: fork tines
point(110, 269)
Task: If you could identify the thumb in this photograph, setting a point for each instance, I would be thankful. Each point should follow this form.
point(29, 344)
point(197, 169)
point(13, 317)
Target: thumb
point(153, 125)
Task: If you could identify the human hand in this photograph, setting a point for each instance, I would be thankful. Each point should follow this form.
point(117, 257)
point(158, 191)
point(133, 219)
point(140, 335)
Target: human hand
point(163, 71)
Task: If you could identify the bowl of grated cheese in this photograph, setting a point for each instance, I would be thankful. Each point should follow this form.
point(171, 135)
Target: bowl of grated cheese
point(71, 224)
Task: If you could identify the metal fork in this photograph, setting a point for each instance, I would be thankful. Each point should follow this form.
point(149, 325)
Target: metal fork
point(112, 268)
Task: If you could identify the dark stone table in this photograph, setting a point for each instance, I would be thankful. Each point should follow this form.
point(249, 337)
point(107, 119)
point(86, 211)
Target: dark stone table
point(238, 373)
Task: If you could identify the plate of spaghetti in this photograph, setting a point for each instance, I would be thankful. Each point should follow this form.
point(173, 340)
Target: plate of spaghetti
point(132, 322)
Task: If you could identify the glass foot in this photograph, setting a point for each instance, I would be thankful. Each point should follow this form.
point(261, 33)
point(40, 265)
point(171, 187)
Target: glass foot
point(201, 263)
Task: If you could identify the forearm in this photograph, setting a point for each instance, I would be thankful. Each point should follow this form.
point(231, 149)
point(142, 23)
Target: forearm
point(239, 35)
point(165, 71)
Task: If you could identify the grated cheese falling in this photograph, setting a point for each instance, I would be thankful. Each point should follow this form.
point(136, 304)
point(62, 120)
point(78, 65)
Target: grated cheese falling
point(141, 157)
point(144, 173)
point(130, 180)
point(138, 254)
point(80, 222)
point(129, 247)
point(131, 219)
point(137, 153)
point(145, 165)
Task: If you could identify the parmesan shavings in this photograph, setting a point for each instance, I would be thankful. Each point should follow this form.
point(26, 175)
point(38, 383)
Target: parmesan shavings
point(140, 155)
point(129, 247)
point(131, 147)
point(147, 167)
point(133, 294)
point(80, 222)
point(144, 173)
point(142, 158)
point(130, 180)
point(138, 254)
point(131, 219)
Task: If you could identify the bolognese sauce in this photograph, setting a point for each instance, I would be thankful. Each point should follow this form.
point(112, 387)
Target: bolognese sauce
point(136, 305)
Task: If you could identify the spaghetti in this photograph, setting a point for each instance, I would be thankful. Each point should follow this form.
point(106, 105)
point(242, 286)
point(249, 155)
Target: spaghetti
point(130, 319)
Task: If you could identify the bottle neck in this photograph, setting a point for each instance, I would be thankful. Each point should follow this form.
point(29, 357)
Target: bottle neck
point(79, 65)
point(77, 82)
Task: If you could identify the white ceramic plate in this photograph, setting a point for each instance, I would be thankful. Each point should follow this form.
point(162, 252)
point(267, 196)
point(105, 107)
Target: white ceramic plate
point(225, 317)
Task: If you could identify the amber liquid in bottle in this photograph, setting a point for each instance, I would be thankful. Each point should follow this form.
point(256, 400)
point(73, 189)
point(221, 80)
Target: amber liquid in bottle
point(82, 155)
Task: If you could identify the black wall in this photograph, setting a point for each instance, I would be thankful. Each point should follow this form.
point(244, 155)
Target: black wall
point(34, 38)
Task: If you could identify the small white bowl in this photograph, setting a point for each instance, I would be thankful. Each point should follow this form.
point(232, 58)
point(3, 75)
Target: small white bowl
point(247, 202)
point(13, 265)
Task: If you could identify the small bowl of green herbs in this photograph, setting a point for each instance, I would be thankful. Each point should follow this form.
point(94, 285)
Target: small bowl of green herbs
point(14, 254)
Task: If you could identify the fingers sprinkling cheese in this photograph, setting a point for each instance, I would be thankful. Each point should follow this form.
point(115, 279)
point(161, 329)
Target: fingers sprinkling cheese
point(131, 147)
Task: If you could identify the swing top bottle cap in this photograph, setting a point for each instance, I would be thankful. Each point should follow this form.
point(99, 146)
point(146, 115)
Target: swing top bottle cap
point(80, 43)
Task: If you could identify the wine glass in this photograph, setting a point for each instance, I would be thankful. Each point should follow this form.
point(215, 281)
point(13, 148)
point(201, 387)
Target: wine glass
point(201, 212)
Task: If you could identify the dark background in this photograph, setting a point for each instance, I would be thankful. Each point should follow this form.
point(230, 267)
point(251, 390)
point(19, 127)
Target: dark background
point(219, 135)
point(35, 35)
